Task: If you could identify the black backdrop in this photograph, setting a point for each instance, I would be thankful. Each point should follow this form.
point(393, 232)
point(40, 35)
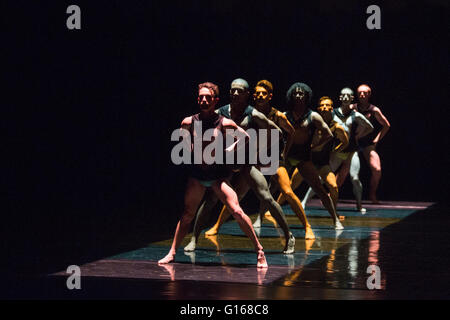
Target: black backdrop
point(87, 114)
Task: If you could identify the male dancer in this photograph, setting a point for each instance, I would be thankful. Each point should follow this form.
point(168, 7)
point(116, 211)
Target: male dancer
point(305, 122)
point(211, 176)
point(321, 153)
point(262, 96)
point(248, 176)
point(356, 126)
point(369, 143)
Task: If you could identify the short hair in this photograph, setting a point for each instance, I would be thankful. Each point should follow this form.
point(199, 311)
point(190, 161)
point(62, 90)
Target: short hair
point(211, 86)
point(240, 82)
point(326, 98)
point(266, 84)
point(302, 86)
point(352, 93)
point(365, 85)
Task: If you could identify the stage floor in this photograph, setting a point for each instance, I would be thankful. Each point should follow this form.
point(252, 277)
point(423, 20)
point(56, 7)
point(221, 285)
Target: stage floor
point(333, 266)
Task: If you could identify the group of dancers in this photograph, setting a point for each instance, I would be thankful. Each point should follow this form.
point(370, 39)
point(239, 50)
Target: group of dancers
point(320, 147)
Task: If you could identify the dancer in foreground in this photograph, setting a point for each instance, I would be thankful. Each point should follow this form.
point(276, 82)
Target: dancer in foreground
point(211, 176)
point(248, 176)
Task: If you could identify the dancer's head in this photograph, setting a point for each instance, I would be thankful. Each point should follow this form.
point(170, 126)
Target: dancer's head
point(325, 108)
point(346, 97)
point(299, 94)
point(364, 92)
point(208, 95)
point(263, 92)
point(239, 91)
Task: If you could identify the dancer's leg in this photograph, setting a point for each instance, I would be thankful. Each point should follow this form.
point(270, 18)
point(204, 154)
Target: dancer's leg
point(258, 184)
point(342, 174)
point(273, 187)
point(207, 205)
point(296, 181)
point(241, 187)
point(374, 161)
point(293, 200)
point(192, 197)
point(335, 162)
point(357, 185)
point(227, 195)
point(311, 175)
point(330, 180)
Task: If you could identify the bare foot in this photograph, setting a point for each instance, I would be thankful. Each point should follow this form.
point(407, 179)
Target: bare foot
point(290, 244)
point(212, 232)
point(191, 245)
point(309, 234)
point(262, 263)
point(167, 259)
point(338, 225)
point(257, 223)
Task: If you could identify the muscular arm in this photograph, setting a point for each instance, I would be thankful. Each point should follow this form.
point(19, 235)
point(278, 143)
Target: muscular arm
point(242, 136)
point(326, 134)
point(264, 123)
point(186, 123)
point(384, 122)
point(289, 129)
point(364, 126)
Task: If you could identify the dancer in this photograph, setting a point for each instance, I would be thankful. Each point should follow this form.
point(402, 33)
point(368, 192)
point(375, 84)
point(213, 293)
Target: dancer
point(356, 126)
point(321, 153)
point(248, 176)
point(262, 96)
point(211, 176)
point(305, 122)
point(369, 143)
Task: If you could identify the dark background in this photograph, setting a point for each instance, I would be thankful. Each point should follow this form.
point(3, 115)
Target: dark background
point(87, 114)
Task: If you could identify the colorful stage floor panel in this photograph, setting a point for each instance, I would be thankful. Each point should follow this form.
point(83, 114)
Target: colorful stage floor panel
point(336, 259)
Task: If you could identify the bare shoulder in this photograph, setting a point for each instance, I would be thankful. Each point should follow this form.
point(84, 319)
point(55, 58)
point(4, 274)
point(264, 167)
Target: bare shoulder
point(376, 109)
point(228, 123)
point(281, 115)
point(258, 114)
point(316, 116)
point(186, 121)
point(339, 127)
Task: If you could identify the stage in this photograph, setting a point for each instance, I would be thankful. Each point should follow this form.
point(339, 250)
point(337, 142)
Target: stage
point(401, 238)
